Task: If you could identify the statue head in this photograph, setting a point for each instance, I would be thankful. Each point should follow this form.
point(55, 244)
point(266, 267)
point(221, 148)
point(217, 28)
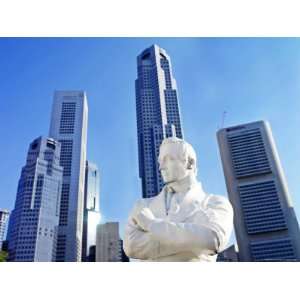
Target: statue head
point(177, 160)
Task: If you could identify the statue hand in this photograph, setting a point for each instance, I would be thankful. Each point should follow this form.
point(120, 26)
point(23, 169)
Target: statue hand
point(144, 218)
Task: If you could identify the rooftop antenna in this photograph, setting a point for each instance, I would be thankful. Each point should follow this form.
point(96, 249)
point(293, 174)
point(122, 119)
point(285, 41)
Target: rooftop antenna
point(223, 118)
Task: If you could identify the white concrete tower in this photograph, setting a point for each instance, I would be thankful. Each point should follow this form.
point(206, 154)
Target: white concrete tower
point(265, 223)
point(69, 126)
point(32, 231)
point(108, 244)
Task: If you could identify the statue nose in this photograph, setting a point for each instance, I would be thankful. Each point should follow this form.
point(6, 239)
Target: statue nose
point(161, 165)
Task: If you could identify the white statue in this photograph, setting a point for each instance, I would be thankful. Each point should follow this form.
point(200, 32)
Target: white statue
point(181, 223)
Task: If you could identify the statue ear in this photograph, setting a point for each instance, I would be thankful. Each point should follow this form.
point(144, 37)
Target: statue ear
point(190, 163)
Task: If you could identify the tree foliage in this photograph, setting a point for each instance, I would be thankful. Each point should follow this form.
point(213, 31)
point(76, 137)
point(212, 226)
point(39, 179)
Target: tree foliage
point(3, 256)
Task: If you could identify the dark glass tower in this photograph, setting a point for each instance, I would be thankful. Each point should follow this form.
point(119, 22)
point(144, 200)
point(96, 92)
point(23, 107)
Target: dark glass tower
point(158, 114)
point(91, 212)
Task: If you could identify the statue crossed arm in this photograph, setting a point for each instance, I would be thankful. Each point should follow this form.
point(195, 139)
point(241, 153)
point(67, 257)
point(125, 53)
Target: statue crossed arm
point(205, 231)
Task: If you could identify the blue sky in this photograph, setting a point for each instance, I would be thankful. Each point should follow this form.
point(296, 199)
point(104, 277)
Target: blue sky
point(249, 78)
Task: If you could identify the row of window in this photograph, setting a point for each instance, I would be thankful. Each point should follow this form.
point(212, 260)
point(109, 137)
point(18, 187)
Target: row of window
point(67, 120)
point(165, 66)
point(261, 207)
point(66, 156)
point(249, 157)
point(276, 249)
point(245, 134)
point(255, 140)
point(60, 247)
point(251, 164)
point(252, 172)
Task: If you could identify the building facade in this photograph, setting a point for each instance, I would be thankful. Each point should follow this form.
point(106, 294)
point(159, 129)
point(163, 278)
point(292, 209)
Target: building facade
point(158, 113)
point(33, 223)
point(4, 214)
point(69, 126)
point(230, 254)
point(109, 245)
point(91, 213)
point(265, 223)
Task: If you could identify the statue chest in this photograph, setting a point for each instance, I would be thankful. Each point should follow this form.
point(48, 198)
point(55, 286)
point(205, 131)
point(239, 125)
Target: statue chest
point(177, 207)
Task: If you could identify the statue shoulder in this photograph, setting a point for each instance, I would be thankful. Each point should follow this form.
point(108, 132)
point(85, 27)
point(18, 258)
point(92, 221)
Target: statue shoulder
point(148, 202)
point(140, 203)
point(218, 202)
point(143, 202)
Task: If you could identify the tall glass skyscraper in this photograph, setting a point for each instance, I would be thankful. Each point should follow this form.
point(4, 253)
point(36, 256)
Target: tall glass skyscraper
point(69, 127)
point(265, 223)
point(33, 223)
point(158, 113)
point(91, 213)
point(3, 220)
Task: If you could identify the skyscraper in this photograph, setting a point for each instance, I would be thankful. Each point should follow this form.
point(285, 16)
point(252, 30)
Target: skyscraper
point(265, 223)
point(33, 223)
point(69, 127)
point(228, 255)
point(3, 220)
point(158, 114)
point(109, 244)
point(91, 213)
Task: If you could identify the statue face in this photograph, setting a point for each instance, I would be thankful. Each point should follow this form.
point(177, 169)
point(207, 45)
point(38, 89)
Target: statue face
point(171, 165)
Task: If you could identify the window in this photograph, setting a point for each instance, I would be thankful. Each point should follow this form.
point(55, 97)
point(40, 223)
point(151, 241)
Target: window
point(67, 120)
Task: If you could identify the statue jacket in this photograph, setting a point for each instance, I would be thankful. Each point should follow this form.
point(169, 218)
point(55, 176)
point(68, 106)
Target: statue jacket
point(192, 226)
